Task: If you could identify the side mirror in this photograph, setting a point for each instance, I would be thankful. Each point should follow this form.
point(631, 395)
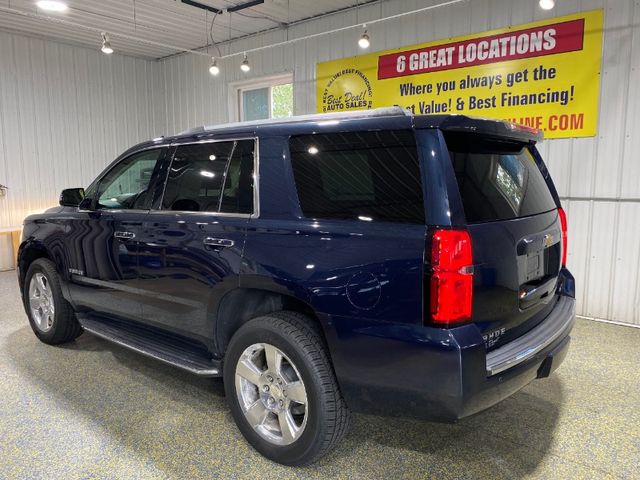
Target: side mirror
point(71, 197)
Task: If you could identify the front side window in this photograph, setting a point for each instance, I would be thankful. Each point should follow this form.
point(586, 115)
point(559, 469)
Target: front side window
point(211, 177)
point(367, 176)
point(126, 186)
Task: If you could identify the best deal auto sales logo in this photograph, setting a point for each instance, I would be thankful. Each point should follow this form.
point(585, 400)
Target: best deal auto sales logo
point(348, 89)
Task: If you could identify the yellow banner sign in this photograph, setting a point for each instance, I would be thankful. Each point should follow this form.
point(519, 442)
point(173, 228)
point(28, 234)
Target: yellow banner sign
point(544, 74)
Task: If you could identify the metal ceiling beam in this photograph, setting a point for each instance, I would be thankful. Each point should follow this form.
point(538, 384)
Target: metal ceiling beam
point(217, 11)
point(242, 6)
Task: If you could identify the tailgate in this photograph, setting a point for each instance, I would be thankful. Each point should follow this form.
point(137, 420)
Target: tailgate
point(516, 264)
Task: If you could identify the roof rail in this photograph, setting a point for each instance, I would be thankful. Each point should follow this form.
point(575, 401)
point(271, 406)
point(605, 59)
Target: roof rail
point(192, 131)
point(354, 114)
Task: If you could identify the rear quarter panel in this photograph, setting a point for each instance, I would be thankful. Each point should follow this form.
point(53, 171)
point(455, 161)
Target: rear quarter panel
point(363, 279)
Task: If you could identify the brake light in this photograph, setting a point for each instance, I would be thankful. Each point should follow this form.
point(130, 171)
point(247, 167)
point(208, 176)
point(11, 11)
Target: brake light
point(451, 284)
point(563, 227)
point(517, 127)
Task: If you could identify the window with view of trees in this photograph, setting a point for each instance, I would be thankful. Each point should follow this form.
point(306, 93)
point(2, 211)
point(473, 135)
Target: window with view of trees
point(269, 98)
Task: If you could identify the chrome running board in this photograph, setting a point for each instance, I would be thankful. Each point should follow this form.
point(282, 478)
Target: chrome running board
point(173, 354)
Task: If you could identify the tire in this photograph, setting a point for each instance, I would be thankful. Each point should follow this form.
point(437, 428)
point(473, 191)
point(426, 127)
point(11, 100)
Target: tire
point(305, 365)
point(54, 325)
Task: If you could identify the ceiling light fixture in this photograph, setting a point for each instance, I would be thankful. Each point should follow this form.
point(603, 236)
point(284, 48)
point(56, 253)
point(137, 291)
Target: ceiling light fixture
point(244, 66)
point(52, 5)
point(364, 41)
point(214, 69)
point(106, 44)
point(547, 4)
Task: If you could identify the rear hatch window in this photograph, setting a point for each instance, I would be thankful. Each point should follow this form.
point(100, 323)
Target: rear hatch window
point(515, 230)
point(498, 179)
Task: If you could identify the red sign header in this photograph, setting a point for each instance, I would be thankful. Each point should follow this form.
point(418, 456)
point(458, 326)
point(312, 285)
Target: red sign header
point(531, 42)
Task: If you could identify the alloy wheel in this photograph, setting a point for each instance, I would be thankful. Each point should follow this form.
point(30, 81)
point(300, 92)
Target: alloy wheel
point(271, 393)
point(41, 302)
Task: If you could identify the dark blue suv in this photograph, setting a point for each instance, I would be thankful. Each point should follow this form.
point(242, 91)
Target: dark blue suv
point(373, 261)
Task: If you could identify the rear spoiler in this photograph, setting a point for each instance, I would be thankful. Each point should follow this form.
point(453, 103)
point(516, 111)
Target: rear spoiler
point(489, 127)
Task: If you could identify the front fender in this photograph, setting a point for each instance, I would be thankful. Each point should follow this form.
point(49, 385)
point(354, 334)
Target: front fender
point(43, 240)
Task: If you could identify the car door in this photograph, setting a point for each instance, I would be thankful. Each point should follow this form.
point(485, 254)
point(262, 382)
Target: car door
point(103, 240)
point(191, 243)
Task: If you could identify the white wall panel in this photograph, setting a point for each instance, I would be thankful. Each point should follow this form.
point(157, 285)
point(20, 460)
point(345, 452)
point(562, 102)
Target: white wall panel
point(624, 295)
point(630, 186)
point(582, 166)
point(601, 241)
point(579, 213)
point(613, 98)
point(65, 113)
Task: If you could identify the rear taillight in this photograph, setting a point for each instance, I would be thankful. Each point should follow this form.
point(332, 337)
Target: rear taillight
point(451, 283)
point(563, 226)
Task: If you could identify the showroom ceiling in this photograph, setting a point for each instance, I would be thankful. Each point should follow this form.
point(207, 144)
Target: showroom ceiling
point(158, 28)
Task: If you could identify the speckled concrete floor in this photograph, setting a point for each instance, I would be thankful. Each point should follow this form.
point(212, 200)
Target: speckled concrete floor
point(90, 409)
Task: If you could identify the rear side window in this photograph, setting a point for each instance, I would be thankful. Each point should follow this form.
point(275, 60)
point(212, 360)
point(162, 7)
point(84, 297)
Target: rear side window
point(211, 177)
point(498, 180)
point(369, 176)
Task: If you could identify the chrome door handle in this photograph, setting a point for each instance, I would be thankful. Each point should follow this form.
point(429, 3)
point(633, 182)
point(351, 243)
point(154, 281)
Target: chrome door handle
point(218, 242)
point(124, 235)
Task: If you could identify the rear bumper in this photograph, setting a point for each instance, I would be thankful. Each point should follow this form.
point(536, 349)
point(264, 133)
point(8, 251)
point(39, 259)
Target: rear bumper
point(442, 374)
point(557, 325)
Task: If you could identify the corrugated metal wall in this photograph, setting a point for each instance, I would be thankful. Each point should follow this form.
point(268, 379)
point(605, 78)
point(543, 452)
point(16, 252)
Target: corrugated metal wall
point(65, 113)
point(598, 178)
